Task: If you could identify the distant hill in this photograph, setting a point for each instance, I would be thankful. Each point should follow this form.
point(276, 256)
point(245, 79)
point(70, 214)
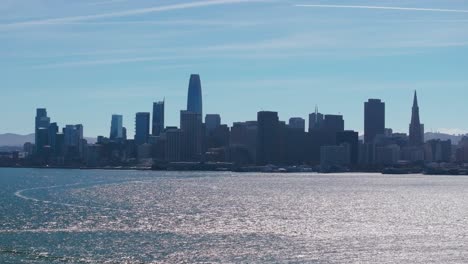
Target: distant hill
point(454, 138)
point(11, 139)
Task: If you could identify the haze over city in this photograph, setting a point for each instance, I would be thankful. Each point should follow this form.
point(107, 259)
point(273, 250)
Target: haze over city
point(87, 60)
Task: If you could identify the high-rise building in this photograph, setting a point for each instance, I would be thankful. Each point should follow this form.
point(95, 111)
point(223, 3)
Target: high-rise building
point(158, 118)
point(173, 146)
point(42, 121)
point(352, 139)
point(416, 129)
point(297, 123)
point(142, 128)
point(191, 126)
point(53, 130)
point(212, 121)
point(374, 119)
point(194, 100)
point(116, 131)
point(73, 140)
point(333, 123)
point(267, 138)
point(315, 120)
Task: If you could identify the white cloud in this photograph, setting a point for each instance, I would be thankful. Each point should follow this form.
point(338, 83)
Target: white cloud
point(385, 8)
point(125, 13)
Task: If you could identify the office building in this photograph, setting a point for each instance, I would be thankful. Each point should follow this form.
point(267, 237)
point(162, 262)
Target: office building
point(194, 99)
point(212, 121)
point(416, 129)
point(116, 131)
point(158, 118)
point(297, 123)
point(191, 126)
point(142, 128)
point(267, 138)
point(374, 119)
point(315, 120)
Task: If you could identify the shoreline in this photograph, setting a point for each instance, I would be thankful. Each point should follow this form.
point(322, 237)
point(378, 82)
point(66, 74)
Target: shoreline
point(383, 172)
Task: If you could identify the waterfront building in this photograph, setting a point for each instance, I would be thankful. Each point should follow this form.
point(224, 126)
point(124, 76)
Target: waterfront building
point(352, 139)
point(437, 150)
point(334, 156)
point(173, 146)
point(387, 155)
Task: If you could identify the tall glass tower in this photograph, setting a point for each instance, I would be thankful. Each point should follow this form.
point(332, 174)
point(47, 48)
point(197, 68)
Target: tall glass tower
point(116, 127)
point(374, 119)
point(158, 118)
point(142, 128)
point(194, 100)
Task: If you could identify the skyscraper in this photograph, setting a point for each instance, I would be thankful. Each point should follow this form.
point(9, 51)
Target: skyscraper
point(191, 126)
point(212, 121)
point(315, 120)
point(297, 123)
point(416, 129)
point(142, 123)
point(158, 118)
point(194, 100)
point(333, 124)
point(267, 138)
point(352, 139)
point(73, 140)
point(42, 121)
point(374, 119)
point(116, 131)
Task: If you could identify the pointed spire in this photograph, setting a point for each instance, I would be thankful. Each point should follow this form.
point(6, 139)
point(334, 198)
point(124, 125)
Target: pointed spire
point(415, 100)
point(316, 113)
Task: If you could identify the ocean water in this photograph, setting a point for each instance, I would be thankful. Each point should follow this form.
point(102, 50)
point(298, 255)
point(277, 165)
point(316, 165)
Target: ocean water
point(94, 216)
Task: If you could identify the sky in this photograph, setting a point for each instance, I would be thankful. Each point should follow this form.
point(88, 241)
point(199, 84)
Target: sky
point(86, 60)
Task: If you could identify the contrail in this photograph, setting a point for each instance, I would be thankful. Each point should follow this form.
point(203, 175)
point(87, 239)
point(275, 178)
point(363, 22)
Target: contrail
point(126, 13)
point(385, 8)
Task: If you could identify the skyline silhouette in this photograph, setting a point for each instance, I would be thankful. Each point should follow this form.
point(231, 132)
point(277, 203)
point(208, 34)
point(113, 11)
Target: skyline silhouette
point(87, 60)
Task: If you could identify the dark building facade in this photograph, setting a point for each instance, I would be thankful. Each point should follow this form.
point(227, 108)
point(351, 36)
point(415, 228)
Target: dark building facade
point(157, 123)
point(212, 121)
point(267, 138)
point(191, 126)
point(142, 121)
point(315, 121)
point(352, 139)
point(297, 123)
point(374, 119)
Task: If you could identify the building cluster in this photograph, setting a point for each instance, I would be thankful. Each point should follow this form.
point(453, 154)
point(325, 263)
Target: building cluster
point(266, 141)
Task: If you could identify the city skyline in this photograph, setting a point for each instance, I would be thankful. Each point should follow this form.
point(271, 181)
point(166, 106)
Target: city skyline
point(77, 61)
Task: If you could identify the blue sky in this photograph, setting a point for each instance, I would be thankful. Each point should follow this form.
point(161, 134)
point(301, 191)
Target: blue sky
point(86, 60)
